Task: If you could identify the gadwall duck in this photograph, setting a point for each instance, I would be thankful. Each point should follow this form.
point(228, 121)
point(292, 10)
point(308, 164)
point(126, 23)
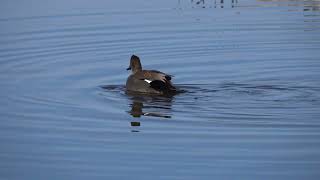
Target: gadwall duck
point(148, 81)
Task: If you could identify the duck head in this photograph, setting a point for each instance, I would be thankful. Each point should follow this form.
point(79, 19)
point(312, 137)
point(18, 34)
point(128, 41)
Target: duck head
point(135, 64)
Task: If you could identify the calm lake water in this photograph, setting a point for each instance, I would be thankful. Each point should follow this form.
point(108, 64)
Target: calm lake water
point(250, 69)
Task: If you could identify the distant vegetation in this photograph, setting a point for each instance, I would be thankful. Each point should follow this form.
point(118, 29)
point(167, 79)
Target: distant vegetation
point(308, 5)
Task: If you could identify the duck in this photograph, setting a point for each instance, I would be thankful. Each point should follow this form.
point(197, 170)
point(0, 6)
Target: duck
point(148, 81)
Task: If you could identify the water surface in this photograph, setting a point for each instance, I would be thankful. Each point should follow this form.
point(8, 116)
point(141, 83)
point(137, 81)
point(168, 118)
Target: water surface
point(250, 71)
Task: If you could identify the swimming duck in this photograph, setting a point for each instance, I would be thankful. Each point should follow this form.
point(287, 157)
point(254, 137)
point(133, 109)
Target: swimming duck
point(148, 81)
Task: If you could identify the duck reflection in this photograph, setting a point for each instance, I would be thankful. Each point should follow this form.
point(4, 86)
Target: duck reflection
point(155, 106)
point(150, 106)
point(145, 105)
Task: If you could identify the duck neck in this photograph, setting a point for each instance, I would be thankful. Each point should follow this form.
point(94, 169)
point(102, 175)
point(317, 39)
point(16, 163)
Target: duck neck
point(137, 69)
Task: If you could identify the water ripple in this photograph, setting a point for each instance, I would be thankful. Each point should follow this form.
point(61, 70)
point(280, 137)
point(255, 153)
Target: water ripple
point(249, 70)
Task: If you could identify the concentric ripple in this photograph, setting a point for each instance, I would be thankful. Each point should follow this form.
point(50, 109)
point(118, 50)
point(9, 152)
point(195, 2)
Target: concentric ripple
point(249, 70)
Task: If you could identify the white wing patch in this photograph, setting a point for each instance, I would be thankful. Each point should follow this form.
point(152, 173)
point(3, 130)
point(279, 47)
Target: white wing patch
point(148, 81)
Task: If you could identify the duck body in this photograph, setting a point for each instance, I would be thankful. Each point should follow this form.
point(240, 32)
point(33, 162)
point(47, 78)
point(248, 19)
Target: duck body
point(148, 81)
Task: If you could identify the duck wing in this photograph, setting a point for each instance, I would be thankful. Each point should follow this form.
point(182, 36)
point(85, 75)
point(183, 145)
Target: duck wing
point(158, 80)
point(157, 75)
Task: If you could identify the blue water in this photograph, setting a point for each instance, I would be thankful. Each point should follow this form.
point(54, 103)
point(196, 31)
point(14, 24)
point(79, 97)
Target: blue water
point(250, 71)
